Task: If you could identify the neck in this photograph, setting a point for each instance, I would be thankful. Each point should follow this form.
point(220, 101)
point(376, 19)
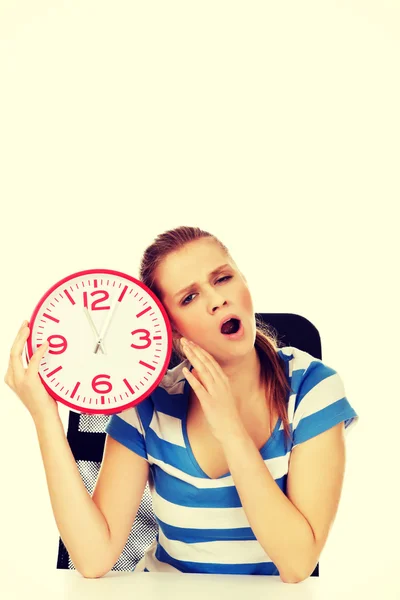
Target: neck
point(245, 378)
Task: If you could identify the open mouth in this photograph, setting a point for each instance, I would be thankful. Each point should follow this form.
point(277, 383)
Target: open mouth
point(230, 327)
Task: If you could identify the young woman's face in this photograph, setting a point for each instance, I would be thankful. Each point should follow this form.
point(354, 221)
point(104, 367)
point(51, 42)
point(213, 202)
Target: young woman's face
point(196, 313)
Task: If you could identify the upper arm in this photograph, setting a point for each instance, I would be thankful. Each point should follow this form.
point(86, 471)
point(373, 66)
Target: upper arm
point(118, 492)
point(315, 480)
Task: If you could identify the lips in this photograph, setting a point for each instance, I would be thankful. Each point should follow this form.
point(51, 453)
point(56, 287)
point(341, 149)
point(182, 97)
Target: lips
point(226, 318)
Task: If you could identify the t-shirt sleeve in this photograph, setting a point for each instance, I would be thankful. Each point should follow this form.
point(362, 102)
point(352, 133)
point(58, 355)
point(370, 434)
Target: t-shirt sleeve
point(127, 428)
point(321, 403)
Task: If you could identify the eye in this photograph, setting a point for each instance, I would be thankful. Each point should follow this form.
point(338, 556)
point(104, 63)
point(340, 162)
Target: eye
point(184, 303)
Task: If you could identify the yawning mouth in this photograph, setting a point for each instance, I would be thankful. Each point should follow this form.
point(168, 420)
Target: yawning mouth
point(231, 326)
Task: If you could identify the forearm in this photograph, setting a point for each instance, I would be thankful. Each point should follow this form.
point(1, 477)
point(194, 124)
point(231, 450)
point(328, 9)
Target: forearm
point(280, 528)
point(81, 524)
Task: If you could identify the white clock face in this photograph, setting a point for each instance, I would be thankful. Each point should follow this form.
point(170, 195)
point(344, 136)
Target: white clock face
point(110, 341)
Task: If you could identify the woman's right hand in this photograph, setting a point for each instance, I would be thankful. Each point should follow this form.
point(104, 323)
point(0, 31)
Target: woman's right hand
point(26, 383)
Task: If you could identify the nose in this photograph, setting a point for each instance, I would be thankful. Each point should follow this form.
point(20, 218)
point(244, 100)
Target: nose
point(215, 304)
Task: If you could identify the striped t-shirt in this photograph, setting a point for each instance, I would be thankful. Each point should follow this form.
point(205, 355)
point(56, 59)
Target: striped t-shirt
point(203, 527)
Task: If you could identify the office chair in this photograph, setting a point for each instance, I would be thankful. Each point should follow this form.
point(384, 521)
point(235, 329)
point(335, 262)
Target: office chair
point(86, 437)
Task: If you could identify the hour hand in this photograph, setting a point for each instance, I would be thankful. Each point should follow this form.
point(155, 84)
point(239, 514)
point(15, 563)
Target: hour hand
point(94, 329)
point(99, 344)
point(106, 325)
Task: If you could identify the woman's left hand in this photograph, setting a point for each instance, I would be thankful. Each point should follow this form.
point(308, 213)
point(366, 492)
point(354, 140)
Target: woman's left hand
point(213, 389)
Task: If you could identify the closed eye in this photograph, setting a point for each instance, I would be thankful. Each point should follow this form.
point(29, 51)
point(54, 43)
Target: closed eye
point(184, 303)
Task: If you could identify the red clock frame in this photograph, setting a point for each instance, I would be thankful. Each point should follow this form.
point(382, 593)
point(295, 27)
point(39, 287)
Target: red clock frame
point(60, 347)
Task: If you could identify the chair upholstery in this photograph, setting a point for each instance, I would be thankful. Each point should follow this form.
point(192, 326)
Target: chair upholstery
point(86, 437)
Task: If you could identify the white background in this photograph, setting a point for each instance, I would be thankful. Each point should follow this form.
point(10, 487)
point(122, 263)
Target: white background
point(274, 126)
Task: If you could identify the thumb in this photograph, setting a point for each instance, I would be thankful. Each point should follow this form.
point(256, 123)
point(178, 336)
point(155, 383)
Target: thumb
point(38, 355)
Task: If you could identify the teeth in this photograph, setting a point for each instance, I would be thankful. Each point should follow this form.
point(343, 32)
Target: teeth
point(230, 318)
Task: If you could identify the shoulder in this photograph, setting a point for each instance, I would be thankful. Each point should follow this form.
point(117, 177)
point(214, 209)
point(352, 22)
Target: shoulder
point(318, 398)
point(164, 399)
point(305, 372)
point(171, 383)
point(310, 377)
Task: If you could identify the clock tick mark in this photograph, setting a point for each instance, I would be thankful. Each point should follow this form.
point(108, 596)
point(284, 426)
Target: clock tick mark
point(55, 371)
point(143, 312)
point(51, 318)
point(75, 389)
point(122, 294)
point(126, 382)
point(70, 298)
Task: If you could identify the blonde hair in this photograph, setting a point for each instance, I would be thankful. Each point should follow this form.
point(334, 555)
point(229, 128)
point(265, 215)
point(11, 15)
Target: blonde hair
point(266, 342)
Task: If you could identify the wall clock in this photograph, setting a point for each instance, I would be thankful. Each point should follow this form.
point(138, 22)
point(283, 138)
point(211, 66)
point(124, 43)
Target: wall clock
point(110, 341)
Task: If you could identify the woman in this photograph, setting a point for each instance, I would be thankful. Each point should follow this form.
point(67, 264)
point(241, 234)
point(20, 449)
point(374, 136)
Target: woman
point(217, 437)
point(244, 453)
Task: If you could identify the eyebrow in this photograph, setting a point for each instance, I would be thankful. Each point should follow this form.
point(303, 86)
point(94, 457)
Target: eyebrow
point(193, 285)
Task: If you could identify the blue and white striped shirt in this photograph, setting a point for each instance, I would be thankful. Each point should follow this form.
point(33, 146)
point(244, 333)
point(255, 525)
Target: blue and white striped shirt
point(202, 525)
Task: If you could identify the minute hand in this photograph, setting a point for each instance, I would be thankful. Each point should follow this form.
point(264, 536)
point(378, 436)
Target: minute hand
point(106, 325)
point(94, 328)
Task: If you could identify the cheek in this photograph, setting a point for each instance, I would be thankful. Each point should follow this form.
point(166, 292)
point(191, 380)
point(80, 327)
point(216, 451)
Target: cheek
point(186, 328)
point(194, 330)
point(246, 300)
point(176, 325)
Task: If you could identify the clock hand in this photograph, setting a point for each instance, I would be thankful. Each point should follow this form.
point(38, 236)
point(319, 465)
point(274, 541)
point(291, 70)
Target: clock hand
point(106, 324)
point(93, 326)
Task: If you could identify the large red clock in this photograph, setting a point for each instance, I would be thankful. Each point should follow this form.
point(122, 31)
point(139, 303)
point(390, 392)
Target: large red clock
point(110, 341)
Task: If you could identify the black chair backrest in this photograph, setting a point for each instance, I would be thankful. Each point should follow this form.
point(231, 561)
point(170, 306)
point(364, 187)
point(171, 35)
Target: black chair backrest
point(86, 437)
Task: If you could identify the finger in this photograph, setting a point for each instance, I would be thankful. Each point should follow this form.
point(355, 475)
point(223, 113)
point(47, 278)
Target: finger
point(195, 374)
point(205, 375)
point(15, 362)
point(37, 357)
point(210, 359)
point(194, 381)
point(203, 363)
